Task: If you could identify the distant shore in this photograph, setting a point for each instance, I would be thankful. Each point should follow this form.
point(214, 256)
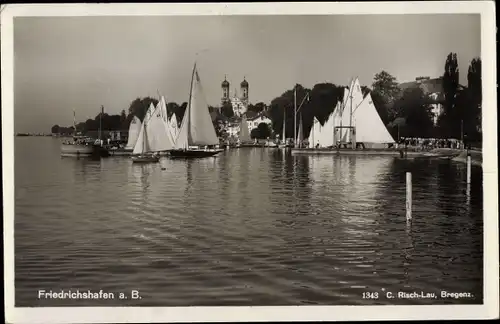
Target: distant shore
point(30, 134)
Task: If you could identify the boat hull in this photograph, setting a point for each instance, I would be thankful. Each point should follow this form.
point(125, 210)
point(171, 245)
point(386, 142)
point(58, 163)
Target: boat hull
point(187, 154)
point(120, 152)
point(250, 145)
point(99, 151)
point(76, 150)
point(145, 159)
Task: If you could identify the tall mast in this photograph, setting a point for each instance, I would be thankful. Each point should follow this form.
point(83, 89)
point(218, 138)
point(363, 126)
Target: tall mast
point(312, 130)
point(188, 116)
point(350, 117)
point(74, 123)
point(284, 126)
point(295, 116)
point(100, 123)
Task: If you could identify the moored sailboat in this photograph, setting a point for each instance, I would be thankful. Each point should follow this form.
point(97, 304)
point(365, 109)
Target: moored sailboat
point(283, 138)
point(300, 135)
point(197, 133)
point(244, 139)
point(81, 146)
point(133, 134)
point(174, 127)
point(159, 135)
point(143, 153)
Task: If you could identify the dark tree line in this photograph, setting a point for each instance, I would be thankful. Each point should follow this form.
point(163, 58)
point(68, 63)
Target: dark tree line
point(462, 105)
point(121, 122)
point(317, 102)
point(405, 113)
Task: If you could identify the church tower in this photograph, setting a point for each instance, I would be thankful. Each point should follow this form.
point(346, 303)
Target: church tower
point(225, 91)
point(244, 91)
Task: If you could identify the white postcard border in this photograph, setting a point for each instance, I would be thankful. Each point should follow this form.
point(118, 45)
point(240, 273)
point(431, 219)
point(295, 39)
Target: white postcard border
point(490, 309)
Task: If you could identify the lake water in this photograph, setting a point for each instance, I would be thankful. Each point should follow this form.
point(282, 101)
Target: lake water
point(252, 226)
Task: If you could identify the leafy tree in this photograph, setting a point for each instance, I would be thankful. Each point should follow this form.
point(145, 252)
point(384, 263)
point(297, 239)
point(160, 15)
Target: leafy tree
point(91, 125)
point(448, 119)
point(123, 120)
point(227, 110)
point(80, 127)
point(414, 107)
point(55, 129)
point(257, 108)
point(385, 87)
point(365, 90)
point(474, 84)
point(173, 109)
point(250, 114)
point(180, 113)
point(140, 106)
point(324, 98)
point(255, 133)
point(284, 105)
point(382, 108)
point(264, 131)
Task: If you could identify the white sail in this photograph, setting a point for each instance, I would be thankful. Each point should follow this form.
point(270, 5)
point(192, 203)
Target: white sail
point(353, 101)
point(174, 128)
point(337, 121)
point(300, 135)
point(150, 111)
point(326, 139)
point(133, 132)
point(162, 105)
point(343, 131)
point(322, 135)
point(141, 145)
point(166, 124)
point(158, 136)
point(244, 132)
point(197, 128)
point(284, 127)
point(369, 125)
point(315, 133)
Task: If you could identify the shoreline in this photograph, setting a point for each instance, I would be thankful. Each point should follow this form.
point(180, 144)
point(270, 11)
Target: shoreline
point(456, 155)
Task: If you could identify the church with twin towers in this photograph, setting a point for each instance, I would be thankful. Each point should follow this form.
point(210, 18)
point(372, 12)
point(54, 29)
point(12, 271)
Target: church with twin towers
point(239, 103)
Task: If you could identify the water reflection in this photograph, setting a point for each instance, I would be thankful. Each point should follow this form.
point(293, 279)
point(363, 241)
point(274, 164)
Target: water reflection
point(250, 227)
point(435, 233)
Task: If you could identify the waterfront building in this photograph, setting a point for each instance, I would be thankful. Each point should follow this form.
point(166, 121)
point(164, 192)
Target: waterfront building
point(238, 103)
point(260, 118)
point(433, 88)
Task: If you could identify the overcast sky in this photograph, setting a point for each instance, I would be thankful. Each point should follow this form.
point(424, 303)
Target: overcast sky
point(64, 63)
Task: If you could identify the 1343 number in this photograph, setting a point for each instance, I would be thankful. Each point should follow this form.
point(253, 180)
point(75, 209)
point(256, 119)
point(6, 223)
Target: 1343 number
point(370, 295)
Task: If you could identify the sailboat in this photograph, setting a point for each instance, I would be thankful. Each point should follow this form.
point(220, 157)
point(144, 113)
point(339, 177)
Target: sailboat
point(160, 139)
point(300, 135)
point(133, 133)
point(143, 152)
point(80, 146)
point(244, 137)
point(197, 130)
point(174, 128)
point(283, 141)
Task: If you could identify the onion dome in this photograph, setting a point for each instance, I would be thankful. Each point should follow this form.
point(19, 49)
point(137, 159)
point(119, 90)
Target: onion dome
point(225, 84)
point(244, 83)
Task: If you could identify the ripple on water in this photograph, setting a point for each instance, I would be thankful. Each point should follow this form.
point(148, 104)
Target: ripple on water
point(251, 227)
